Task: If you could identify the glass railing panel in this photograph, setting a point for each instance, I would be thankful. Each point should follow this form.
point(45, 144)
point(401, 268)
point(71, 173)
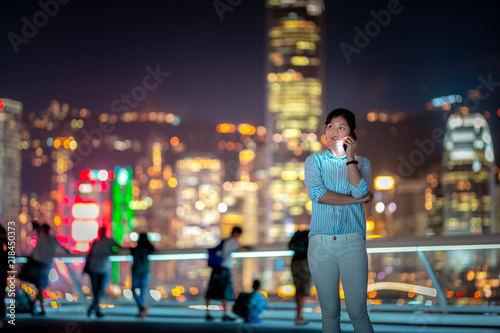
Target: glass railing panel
point(62, 288)
point(399, 278)
point(468, 277)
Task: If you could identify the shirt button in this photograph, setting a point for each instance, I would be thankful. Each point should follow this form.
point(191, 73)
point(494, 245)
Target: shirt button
point(334, 237)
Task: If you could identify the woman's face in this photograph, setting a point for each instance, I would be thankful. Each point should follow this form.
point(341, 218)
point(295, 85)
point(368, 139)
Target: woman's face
point(337, 130)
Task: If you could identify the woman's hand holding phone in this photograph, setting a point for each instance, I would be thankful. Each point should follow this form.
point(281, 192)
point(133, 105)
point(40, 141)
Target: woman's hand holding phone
point(350, 145)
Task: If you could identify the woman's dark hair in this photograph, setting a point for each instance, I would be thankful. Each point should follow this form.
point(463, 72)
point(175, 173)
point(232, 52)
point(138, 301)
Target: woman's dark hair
point(143, 241)
point(348, 115)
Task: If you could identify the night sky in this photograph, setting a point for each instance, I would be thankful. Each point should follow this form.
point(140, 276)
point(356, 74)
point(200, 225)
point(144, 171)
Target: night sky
point(91, 52)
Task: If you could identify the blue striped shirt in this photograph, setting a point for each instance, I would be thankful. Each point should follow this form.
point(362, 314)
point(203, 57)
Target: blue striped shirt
point(324, 171)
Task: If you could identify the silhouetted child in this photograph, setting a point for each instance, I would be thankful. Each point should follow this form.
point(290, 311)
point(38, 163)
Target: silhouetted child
point(257, 304)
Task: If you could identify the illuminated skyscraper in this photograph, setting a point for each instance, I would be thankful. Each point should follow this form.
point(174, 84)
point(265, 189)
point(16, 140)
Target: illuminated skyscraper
point(198, 196)
point(295, 105)
point(468, 177)
point(434, 203)
point(239, 206)
point(10, 159)
point(410, 218)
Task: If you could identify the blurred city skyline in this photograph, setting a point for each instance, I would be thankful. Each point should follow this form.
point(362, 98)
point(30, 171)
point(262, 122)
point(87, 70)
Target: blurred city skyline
point(185, 119)
point(89, 53)
point(168, 95)
point(210, 66)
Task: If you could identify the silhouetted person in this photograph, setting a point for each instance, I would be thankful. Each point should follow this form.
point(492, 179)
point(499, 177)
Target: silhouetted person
point(42, 255)
point(220, 284)
point(98, 267)
point(256, 305)
point(140, 271)
point(300, 271)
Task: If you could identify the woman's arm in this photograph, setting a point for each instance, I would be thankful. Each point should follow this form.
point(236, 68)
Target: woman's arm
point(354, 173)
point(317, 190)
point(337, 199)
point(363, 169)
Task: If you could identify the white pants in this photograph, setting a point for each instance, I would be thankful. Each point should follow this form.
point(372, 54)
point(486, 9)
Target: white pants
point(344, 256)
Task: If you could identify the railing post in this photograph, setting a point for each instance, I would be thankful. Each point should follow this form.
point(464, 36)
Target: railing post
point(77, 285)
point(440, 294)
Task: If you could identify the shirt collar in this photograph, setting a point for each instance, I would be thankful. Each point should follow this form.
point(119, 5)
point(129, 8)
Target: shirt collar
point(329, 154)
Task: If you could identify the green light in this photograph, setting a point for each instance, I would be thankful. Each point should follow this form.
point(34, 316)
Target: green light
point(122, 214)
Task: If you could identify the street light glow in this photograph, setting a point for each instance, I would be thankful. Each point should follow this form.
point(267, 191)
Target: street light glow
point(384, 183)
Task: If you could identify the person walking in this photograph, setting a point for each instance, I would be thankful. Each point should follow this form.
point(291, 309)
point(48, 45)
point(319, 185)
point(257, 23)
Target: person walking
point(98, 267)
point(337, 182)
point(220, 284)
point(300, 271)
point(40, 263)
point(140, 271)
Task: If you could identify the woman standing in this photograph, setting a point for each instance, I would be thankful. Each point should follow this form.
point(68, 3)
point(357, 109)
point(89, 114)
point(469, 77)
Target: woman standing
point(140, 271)
point(337, 181)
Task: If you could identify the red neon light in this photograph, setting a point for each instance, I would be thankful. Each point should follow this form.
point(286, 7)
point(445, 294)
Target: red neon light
point(106, 214)
point(104, 186)
point(85, 175)
point(33, 242)
point(1, 104)
point(63, 240)
point(102, 175)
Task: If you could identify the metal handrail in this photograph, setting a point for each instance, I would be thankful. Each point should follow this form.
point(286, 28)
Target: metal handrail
point(420, 245)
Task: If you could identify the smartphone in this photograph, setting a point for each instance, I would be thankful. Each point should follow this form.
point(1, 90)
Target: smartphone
point(353, 136)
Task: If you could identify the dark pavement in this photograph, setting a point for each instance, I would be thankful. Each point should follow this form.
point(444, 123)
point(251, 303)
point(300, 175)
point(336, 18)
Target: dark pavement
point(128, 323)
